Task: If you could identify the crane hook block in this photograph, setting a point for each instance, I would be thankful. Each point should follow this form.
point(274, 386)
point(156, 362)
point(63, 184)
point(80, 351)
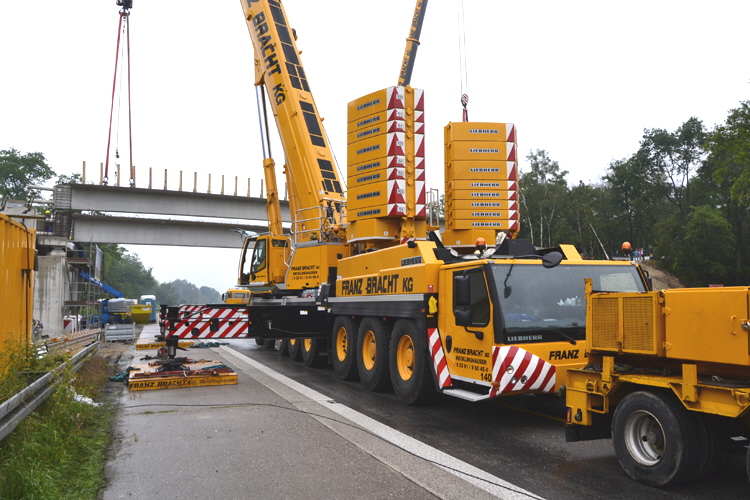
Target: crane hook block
point(125, 4)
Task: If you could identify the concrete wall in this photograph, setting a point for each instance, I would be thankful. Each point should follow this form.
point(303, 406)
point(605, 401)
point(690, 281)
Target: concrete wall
point(49, 293)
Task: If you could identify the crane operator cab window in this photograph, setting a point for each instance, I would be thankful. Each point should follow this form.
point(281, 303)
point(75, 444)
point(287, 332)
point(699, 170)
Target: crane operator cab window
point(258, 262)
point(471, 302)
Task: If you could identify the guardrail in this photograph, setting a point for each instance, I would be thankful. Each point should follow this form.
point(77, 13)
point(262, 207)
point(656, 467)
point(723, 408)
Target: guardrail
point(13, 411)
point(70, 342)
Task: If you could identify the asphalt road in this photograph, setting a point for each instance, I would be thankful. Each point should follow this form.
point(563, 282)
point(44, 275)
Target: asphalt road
point(519, 439)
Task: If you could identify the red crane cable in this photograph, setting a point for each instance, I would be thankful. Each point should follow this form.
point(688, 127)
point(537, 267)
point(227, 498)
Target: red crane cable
point(130, 116)
point(112, 105)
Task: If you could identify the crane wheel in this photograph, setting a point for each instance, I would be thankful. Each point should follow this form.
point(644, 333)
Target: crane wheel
point(294, 349)
point(314, 353)
point(283, 347)
point(372, 354)
point(344, 348)
point(656, 439)
point(714, 441)
point(410, 364)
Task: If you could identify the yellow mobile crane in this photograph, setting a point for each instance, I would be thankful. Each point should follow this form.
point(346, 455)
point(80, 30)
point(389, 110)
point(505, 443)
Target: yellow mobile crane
point(363, 283)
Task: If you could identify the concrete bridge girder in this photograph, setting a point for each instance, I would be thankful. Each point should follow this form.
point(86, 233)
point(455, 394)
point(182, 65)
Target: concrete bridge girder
point(90, 197)
point(241, 213)
point(166, 232)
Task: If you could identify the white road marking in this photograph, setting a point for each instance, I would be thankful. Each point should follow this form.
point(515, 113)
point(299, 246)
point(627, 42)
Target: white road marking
point(477, 477)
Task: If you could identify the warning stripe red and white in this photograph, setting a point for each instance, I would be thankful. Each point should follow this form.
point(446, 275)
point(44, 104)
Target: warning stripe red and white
point(395, 126)
point(189, 309)
point(395, 173)
point(396, 191)
point(395, 143)
point(510, 130)
point(202, 312)
point(396, 210)
point(515, 369)
point(419, 99)
point(202, 329)
point(438, 358)
point(419, 145)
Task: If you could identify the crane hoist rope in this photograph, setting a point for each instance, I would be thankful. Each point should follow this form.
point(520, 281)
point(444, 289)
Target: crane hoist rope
point(462, 61)
point(122, 27)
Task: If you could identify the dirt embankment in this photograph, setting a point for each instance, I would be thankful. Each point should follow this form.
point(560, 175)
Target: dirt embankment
point(661, 279)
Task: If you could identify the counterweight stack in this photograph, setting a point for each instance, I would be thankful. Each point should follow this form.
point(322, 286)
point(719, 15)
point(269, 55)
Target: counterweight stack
point(481, 186)
point(386, 167)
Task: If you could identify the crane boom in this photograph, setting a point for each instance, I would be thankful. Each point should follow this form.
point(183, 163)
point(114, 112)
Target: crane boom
point(310, 164)
point(412, 43)
point(317, 201)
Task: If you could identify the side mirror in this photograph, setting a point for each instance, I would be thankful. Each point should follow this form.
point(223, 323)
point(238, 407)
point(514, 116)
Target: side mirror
point(463, 317)
point(649, 281)
point(462, 290)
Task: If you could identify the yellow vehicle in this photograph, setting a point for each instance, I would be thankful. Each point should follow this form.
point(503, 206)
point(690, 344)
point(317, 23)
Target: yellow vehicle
point(17, 259)
point(668, 379)
point(363, 281)
point(236, 296)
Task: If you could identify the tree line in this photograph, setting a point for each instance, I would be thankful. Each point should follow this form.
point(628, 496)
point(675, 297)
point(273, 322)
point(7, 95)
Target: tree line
point(683, 196)
point(125, 272)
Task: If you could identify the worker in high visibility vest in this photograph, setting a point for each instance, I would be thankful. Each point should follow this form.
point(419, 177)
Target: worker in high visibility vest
point(627, 250)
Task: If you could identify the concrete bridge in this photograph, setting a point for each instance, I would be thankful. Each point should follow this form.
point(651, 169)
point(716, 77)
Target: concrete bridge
point(137, 216)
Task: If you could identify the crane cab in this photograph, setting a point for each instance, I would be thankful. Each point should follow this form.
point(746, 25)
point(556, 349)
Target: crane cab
point(264, 261)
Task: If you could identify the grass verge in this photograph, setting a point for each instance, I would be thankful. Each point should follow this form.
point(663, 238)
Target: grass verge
point(59, 451)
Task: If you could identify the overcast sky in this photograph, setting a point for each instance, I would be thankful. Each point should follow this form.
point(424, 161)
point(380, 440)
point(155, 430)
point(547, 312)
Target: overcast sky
point(580, 79)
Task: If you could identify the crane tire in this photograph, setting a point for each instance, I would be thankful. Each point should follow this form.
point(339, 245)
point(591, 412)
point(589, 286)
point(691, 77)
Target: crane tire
point(260, 341)
point(283, 347)
point(295, 353)
point(344, 348)
point(269, 344)
point(656, 440)
point(714, 441)
point(748, 463)
point(314, 353)
point(372, 355)
point(410, 364)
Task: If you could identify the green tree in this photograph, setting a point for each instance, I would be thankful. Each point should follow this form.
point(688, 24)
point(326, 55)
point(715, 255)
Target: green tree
point(183, 292)
point(69, 179)
point(635, 193)
point(728, 164)
point(581, 213)
point(18, 171)
point(542, 193)
point(705, 255)
point(676, 156)
point(126, 273)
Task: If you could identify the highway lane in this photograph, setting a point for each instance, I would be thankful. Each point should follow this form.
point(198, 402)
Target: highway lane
point(519, 439)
